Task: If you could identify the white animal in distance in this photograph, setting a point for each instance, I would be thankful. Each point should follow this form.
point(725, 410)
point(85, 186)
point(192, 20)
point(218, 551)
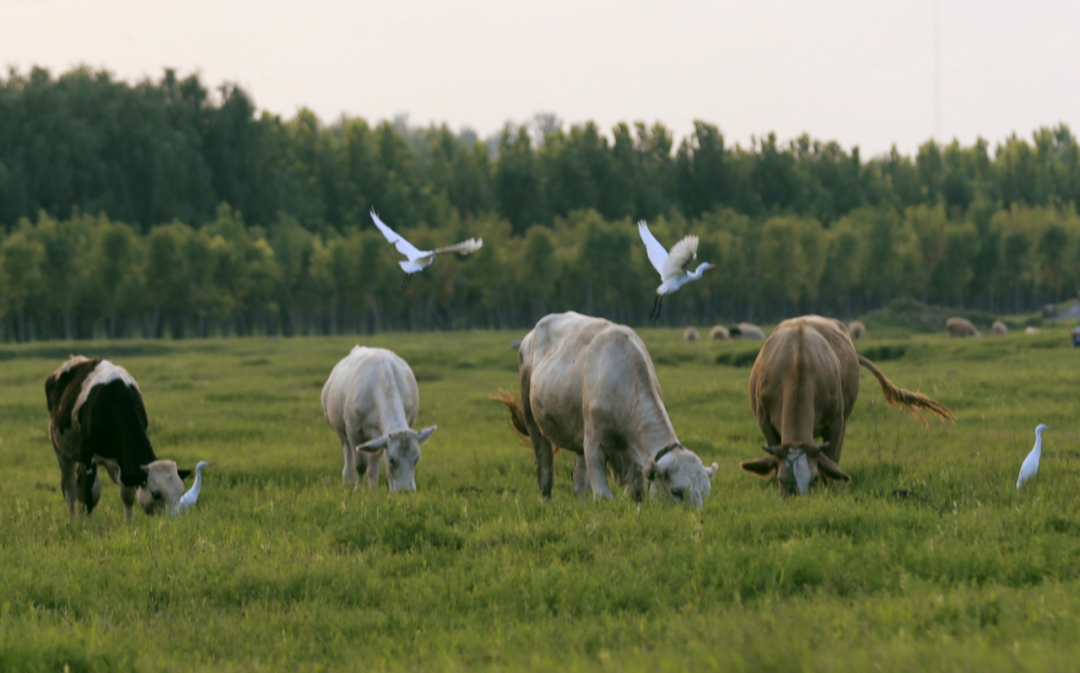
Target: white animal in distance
point(1031, 464)
point(418, 260)
point(670, 265)
point(192, 496)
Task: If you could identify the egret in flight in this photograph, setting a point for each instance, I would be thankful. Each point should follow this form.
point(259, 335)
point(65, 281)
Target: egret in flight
point(1031, 463)
point(418, 260)
point(670, 265)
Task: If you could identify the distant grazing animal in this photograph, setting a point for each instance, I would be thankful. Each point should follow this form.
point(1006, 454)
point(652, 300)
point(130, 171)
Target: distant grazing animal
point(804, 385)
point(961, 327)
point(719, 333)
point(588, 386)
point(670, 266)
point(1049, 310)
point(192, 496)
point(418, 260)
point(856, 329)
point(371, 401)
point(1031, 464)
point(745, 330)
point(97, 417)
point(690, 335)
point(1031, 330)
point(998, 329)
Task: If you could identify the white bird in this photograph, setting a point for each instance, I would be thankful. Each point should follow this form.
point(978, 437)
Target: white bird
point(418, 260)
point(1031, 463)
point(670, 265)
point(192, 496)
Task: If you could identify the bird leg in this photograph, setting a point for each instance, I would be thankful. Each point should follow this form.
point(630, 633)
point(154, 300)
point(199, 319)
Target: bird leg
point(654, 315)
point(405, 282)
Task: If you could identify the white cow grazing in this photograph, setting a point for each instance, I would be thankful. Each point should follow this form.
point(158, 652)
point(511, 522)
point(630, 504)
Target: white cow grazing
point(371, 402)
point(589, 386)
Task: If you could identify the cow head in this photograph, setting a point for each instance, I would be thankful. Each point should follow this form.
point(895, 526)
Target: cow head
point(402, 454)
point(163, 488)
point(676, 474)
point(799, 469)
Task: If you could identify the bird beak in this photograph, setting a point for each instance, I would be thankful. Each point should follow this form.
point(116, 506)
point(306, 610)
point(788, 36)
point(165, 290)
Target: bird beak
point(712, 266)
point(1049, 428)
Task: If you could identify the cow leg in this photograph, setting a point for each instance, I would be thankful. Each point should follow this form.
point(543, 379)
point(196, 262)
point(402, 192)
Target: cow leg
point(771, 435)
point(348, 473)
point(596, 466)
point(543, 455)
point(371, 465)
point(69, 483)
point(581, 476)
point(834, 435)
point(127, 496)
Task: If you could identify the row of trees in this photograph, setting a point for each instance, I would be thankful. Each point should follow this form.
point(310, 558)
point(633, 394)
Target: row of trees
point(89, 276)
point(154, 152)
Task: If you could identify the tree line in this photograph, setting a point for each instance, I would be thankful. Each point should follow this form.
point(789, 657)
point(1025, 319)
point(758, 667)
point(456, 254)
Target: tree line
point(91, 277)
point(164, 208)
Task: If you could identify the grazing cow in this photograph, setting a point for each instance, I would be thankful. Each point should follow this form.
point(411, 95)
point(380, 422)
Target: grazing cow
point(745, 330)
point(589, 386)
point(998, 329)
point(719, 333)
point(804, 385)
point(856, 329)
point(371, 401)
point(961, 327)
point(97, 417)
point(690, 335)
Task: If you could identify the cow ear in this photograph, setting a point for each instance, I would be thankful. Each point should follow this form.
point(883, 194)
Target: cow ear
point(376, 444)
point(712, 470)
point(426, 434)
point(184, 474)
point(762, 467)
point(831, 470)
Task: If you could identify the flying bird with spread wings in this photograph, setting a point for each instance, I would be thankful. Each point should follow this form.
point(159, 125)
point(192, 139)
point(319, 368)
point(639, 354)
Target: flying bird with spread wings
point(670, 265)
point(418, 260)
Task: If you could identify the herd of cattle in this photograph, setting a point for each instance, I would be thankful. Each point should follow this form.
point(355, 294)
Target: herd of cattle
point(587, 385)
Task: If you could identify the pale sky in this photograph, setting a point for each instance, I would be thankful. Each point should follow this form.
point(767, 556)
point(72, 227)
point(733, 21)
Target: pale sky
point(856, 71)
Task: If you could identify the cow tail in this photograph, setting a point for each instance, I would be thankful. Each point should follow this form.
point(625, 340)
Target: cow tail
point(913, 402)
point(517, 413)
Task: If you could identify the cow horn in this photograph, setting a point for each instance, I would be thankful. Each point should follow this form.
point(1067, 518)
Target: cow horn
point(772, 450)
point(818, 448)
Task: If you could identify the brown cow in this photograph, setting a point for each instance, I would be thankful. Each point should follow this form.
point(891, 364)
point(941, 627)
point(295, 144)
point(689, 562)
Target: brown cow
point(961, 327)
point(856, 329)
point(804, 385)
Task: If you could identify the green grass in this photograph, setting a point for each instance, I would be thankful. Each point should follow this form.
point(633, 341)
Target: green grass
point(928, 560)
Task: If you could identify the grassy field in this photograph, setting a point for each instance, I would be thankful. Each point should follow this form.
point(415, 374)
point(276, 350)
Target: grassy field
point(929, 560)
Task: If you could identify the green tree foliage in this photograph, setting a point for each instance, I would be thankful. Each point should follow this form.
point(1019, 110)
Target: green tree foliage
point(163, 208)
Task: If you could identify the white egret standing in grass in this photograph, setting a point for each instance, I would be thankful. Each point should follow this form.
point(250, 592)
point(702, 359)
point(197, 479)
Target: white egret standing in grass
point(418, 260)
point(1031, 463)
point(670, 265)
point(192, 496)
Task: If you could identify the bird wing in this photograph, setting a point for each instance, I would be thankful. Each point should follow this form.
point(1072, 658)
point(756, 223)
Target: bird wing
point(657, 254)
point(465, 247)
point(403, 246)
point(681, 253)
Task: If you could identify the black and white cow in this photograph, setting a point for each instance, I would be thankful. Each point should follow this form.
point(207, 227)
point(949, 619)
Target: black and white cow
point(97, 417)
